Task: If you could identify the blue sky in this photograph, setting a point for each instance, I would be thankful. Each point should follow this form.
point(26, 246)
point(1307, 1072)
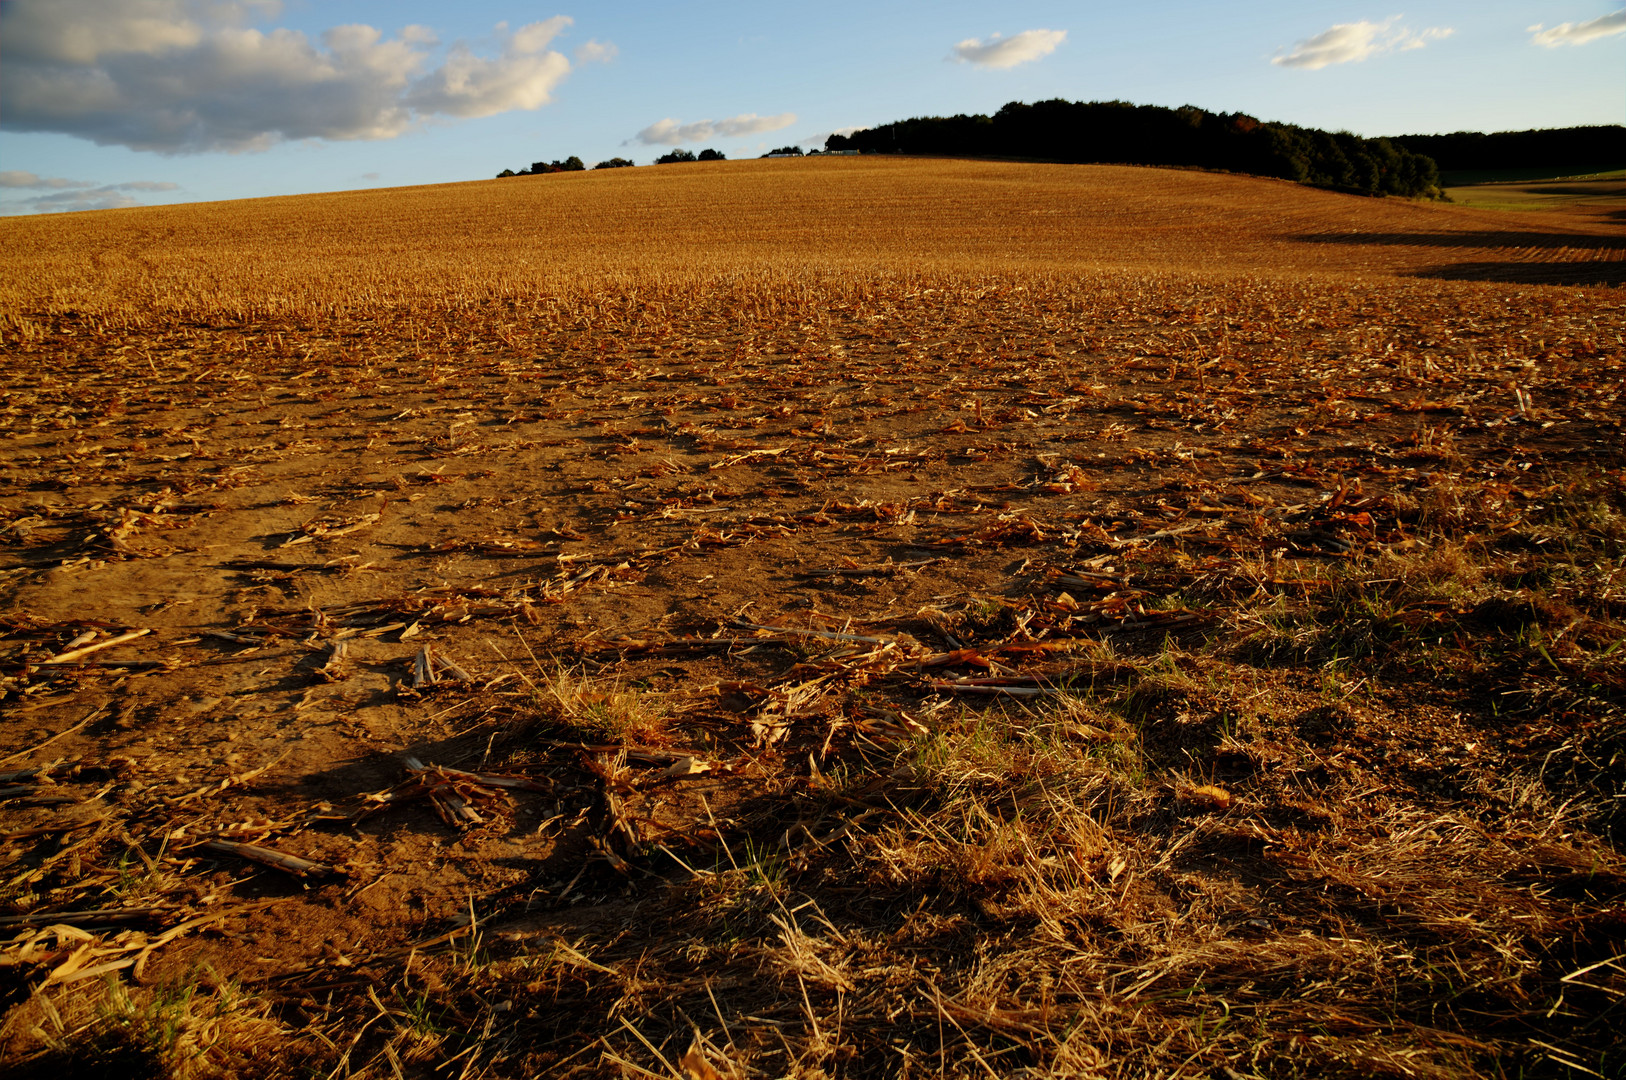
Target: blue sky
point(109, 103)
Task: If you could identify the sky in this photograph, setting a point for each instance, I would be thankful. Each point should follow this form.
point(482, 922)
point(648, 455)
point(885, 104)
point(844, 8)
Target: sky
point(115, 103)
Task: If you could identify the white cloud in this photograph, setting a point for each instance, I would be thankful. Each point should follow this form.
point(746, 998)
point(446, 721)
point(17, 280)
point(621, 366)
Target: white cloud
point(66, 202)
point(16, 178)
point(534, 37)
point(1007, 52)
point(183, 76)
point(1351, 42)
point(523, 77)
point(596, 52)
point(1580, 33)
point(752, 124)
point(671, 133)
point(69, 195)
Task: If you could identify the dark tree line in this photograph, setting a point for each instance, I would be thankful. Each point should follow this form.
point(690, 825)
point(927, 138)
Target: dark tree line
point(1598, 147)
point(569, 164)
point(542, 168)
point(675, 157)
point(1123, 133)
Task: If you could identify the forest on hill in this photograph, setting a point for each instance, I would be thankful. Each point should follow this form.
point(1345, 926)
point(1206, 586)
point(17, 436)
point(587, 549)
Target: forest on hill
point(1601, 146)
point(1120, 132)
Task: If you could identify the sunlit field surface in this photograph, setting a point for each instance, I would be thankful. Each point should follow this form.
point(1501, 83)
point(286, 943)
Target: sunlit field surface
point(851, 617)
point(808, 222)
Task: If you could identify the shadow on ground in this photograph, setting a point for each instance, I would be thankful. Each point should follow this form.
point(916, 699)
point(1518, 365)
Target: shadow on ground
point(1498, 238)
point(1532, 258)
point(1600, 272)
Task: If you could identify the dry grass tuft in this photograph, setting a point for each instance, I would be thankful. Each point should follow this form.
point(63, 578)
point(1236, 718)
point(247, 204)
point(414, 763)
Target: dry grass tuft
point(602, 710)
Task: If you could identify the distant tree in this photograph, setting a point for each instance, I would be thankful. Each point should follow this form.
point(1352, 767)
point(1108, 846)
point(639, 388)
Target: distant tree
point(506, 172)
point(615, 163)
point(675, 157)
point(839, 142)
point(787, 151)
point(708, 154)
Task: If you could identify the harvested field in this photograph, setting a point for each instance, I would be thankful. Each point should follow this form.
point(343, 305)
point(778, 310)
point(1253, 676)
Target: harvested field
point(845, 618)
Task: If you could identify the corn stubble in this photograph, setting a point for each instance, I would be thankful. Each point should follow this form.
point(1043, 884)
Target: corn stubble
point(830, 618)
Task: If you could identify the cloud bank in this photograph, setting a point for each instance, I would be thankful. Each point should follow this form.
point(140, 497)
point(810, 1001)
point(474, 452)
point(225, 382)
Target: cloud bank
point(1007, 52)
point(17, 178)
point(68, 194)
point(1348, 43)
point(1580, 33)
point(671, 133)
point(185, 76)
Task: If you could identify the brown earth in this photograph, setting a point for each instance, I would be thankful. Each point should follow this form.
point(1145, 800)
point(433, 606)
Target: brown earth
point(888, 614)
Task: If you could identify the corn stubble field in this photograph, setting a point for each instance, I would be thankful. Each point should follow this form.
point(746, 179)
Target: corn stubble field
point(827, 618)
